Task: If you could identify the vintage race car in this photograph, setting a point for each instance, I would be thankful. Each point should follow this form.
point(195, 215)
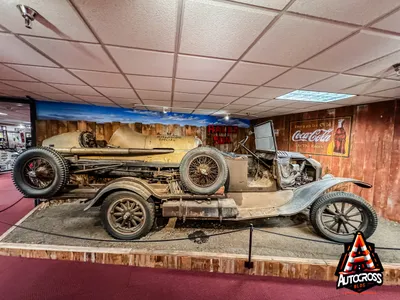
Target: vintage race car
point(135, 178)
point(7, 157)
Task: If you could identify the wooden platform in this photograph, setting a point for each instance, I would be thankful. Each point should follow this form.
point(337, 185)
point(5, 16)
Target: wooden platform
point(286, 267)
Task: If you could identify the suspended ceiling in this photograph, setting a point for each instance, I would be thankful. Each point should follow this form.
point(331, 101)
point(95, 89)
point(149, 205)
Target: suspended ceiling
point(201, 56)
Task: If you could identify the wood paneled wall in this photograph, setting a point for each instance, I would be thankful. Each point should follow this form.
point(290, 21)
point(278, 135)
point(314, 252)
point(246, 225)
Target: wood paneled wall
point(374, 151)
point(49, 128)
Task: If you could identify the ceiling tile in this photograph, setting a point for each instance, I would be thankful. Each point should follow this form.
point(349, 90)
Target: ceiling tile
point(268, 92)
point(282, 110)
point(33, 86)
point(358, 100)
point(229, 89)
point(254, 110)
point(235, 107)
point(5, 87)
point(20, 93)
point(249, 101)
point(93, 99)
point(204, 111)
point(381, 67)
point(188, 97)
point(297, 39)
point(157, 103)
point(154, 95)
point(373, 86)
point(150, 83)
point(60, 96)
point(250, 73)
point(298, 78)
point(76, 89)
point(58, 19)
point(218, 29)
point(361, 48)
point(277, 103)
point(337, 83)
point(149, 24)
point(143, 62)
point(296, 104)
point(220, 99)
point(395, 93)
point(102, 79)
point(50, 75)
point(202, 68)
point(15, 51)
point(117, 92)
point(75, 55)
point(10, 74)
point(182, 104)
point(351, 11)
point(208, 105)
point(391, 23)
point(193, 86)
point(123, 101)
point(276, 4)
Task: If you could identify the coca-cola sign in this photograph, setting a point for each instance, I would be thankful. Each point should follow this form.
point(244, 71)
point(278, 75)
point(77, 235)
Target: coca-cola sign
point(323, 136)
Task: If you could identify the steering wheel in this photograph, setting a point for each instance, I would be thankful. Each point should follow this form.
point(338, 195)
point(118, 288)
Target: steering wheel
point(241, 143)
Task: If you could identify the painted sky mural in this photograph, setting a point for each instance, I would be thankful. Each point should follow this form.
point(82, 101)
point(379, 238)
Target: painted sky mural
point(105, 114)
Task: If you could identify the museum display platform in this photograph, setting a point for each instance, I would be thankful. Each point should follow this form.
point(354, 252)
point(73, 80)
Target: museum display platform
point(201, 245)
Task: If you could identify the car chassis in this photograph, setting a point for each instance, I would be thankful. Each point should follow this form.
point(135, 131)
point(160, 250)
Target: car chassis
point(133, 187)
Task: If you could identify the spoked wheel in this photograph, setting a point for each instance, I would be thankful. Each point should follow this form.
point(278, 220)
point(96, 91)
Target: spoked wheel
point(339, 215)
point(38, 173)
point(203, 170)
point(127, 216)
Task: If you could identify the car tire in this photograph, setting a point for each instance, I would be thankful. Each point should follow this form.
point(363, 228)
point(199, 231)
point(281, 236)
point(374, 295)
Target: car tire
point(203, 170)
point(330, 211)
point(54, 171)
point(138, 215)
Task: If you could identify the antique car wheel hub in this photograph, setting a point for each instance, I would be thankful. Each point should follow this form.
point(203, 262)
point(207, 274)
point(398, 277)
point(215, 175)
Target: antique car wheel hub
point(342, 218)
point(203, 171)
point(38, 173)
point(127, 215)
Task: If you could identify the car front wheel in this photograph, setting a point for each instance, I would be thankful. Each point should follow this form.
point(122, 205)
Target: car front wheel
point(339, 215)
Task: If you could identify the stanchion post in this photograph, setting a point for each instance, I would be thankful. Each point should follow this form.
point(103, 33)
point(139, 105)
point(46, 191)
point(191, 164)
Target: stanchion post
point(249, 264)
point(36, 202)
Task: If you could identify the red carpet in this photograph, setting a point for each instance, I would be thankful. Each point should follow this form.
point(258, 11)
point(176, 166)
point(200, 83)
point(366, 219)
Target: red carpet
point(44, 279)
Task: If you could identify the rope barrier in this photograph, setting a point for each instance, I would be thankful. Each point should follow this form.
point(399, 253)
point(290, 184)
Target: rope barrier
point(169, 240)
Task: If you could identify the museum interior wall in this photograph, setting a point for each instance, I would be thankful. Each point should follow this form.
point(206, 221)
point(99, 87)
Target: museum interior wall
point(104, 121)
point(369, 152)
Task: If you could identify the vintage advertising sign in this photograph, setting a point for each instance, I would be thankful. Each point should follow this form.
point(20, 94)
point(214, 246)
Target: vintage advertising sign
point(322, 136)
point(221, 134)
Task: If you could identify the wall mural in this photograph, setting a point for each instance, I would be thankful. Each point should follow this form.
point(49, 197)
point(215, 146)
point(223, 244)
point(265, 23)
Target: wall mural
point(103, 114)
point(323, 136)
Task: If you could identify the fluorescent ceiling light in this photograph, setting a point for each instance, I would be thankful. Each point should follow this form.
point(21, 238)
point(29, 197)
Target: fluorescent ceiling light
point(300, 95)
point(3, 114)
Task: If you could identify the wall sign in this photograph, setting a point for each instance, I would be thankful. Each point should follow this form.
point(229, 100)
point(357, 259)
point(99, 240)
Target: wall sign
point(221, 134)
point(323, 136)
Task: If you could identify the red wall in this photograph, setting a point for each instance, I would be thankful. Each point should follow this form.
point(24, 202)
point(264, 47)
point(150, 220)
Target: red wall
point(374, 151)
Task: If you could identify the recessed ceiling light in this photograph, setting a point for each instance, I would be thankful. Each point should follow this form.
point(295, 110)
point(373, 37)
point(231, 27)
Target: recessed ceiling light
point(300, 95)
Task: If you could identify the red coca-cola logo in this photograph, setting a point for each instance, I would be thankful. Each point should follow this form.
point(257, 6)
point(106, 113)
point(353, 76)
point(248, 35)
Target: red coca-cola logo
point(318, 135)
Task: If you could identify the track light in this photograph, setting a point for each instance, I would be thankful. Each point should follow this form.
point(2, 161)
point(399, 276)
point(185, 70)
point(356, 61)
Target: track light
point(28, 14)
point(226, 118)
point(165, 110)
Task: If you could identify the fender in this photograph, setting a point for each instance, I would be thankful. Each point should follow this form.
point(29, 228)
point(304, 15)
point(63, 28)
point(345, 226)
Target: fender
point(307, 194)
point(125, 183)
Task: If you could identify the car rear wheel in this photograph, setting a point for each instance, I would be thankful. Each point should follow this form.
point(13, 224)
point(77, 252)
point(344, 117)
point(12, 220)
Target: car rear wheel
point(127, 216)
point(40, 172)
point(339, 215)
point(203, 170)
